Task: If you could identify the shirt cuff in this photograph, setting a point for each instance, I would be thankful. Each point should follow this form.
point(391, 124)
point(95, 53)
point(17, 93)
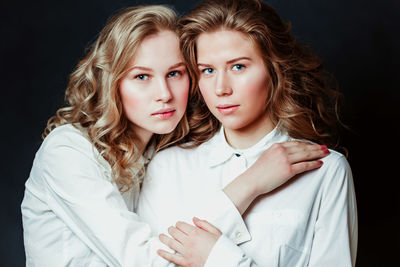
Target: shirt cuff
point(224, 253)
point(223, 214)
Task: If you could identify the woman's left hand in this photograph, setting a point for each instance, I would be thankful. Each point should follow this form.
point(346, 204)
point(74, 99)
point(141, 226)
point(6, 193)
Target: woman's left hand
point(192, 244)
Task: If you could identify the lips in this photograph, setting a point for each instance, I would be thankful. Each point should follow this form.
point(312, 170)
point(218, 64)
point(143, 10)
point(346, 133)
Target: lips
point(165, 113)
point(227, 109)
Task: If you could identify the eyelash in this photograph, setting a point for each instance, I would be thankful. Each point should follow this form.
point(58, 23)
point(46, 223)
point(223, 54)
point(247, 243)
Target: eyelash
point(138, 77)
point(145, 77)
point(239, 65)
point(204, 71)
point(174, 73)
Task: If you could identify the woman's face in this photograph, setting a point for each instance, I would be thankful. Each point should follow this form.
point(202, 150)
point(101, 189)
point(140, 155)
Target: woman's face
point(233, 80)
point(154, 92)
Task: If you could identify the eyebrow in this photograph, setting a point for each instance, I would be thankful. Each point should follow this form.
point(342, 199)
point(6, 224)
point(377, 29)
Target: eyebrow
point(228, 62)
point(140, 68)
point(237, 59)
point(179, 64)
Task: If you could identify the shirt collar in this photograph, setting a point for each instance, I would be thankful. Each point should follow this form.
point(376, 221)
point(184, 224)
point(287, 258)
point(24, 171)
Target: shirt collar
point(221, 151)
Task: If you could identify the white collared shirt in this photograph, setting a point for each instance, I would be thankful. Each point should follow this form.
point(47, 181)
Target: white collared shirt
point(74, 215)
point(310, 221)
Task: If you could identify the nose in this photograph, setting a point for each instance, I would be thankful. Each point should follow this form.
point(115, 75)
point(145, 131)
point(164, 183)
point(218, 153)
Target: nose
point(163, 92)
point(223, 86)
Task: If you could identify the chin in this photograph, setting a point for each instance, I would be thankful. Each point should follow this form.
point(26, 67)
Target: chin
point(166, 129)
point(233, 124)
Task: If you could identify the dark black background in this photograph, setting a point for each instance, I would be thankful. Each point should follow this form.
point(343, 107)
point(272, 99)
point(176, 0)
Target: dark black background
point(359, 41)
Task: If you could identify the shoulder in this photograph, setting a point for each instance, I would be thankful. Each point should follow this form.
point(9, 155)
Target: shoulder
point(172, 155)
point(66, 143)
point(65, 135)
point(177, 159)
point(335, 172)
point(335, 162)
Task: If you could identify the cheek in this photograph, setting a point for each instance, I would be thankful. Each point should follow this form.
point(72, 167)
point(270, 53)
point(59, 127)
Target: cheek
point(205, 90)
point(181, 91)
point(131, 100)
point(256, 89)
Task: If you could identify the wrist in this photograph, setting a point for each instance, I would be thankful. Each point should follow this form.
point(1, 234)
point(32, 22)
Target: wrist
point(242, 191)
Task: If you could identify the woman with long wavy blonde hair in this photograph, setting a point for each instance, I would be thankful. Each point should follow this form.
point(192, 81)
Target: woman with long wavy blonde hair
point(256, 87)
point(121, 100)
point(126, 100)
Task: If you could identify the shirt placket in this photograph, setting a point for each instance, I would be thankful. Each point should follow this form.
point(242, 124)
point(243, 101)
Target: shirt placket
point(236, 165)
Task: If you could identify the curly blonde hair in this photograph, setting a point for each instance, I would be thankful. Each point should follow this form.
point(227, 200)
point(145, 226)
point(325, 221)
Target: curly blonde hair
point(93, 99)
point(302, 96)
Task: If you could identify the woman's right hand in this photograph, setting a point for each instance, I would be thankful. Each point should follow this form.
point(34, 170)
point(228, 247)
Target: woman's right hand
point(276, 166)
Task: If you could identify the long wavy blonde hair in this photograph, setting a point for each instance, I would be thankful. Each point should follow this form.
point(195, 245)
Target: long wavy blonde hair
point(93, 99)
point(302, 96)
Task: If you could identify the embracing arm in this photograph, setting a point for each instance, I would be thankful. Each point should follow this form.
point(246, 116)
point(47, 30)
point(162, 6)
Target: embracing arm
point(277, 165)
point(76, 188)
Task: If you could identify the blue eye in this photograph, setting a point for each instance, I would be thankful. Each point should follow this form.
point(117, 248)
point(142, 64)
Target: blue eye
point(142, 77)
point(208, 71)
point(238, 67)
point(174, 73)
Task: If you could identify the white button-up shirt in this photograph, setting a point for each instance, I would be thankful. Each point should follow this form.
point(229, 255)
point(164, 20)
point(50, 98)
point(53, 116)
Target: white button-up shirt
point(310, 221)
point(74, 215)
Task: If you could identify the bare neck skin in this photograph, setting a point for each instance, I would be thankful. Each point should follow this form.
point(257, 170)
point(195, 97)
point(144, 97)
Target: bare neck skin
point(250, 135)
point(144, 137)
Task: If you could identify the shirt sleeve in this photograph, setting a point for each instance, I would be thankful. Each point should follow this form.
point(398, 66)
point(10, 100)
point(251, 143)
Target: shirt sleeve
point(226, 253)
point(161, 192)
point(79, 193)
point(335, 237)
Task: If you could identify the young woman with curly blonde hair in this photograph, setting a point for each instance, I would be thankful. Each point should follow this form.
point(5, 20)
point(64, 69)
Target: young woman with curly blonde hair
point(126, 100)
point(257, 87)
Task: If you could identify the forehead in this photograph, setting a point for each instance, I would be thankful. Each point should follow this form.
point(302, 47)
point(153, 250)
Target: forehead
point(224, 43)
point(158, 48)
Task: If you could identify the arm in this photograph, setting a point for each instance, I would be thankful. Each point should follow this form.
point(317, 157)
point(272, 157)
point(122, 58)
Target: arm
point(277, 165)
point(79, 193)
point(335, 238)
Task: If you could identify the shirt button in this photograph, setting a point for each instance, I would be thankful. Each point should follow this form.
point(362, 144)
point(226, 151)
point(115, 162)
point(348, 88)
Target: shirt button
point(238, 234)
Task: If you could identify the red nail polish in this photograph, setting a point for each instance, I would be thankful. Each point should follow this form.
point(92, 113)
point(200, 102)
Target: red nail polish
point(320, 162)
point(326, 151)
point(324, 147)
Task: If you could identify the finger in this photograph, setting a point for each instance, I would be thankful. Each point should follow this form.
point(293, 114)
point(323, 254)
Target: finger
point(307, 155)
point(205, 225)
point(295, 146)
point(185, 227)
point(177, 234)
point(174, 258)
point(288, 144)
point(171, 243)
point(306, 166)
point(303, 146)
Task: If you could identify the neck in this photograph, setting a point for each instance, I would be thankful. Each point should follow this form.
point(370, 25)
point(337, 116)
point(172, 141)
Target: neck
point(143, 137)
point(248, 136)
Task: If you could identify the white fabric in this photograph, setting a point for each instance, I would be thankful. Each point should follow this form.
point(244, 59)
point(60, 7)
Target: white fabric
point(74, 215)
point(310, 221)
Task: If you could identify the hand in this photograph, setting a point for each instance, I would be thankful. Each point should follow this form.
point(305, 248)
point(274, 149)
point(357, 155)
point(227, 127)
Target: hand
point(283, 161)
point(275, 167)
point(192, 244)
